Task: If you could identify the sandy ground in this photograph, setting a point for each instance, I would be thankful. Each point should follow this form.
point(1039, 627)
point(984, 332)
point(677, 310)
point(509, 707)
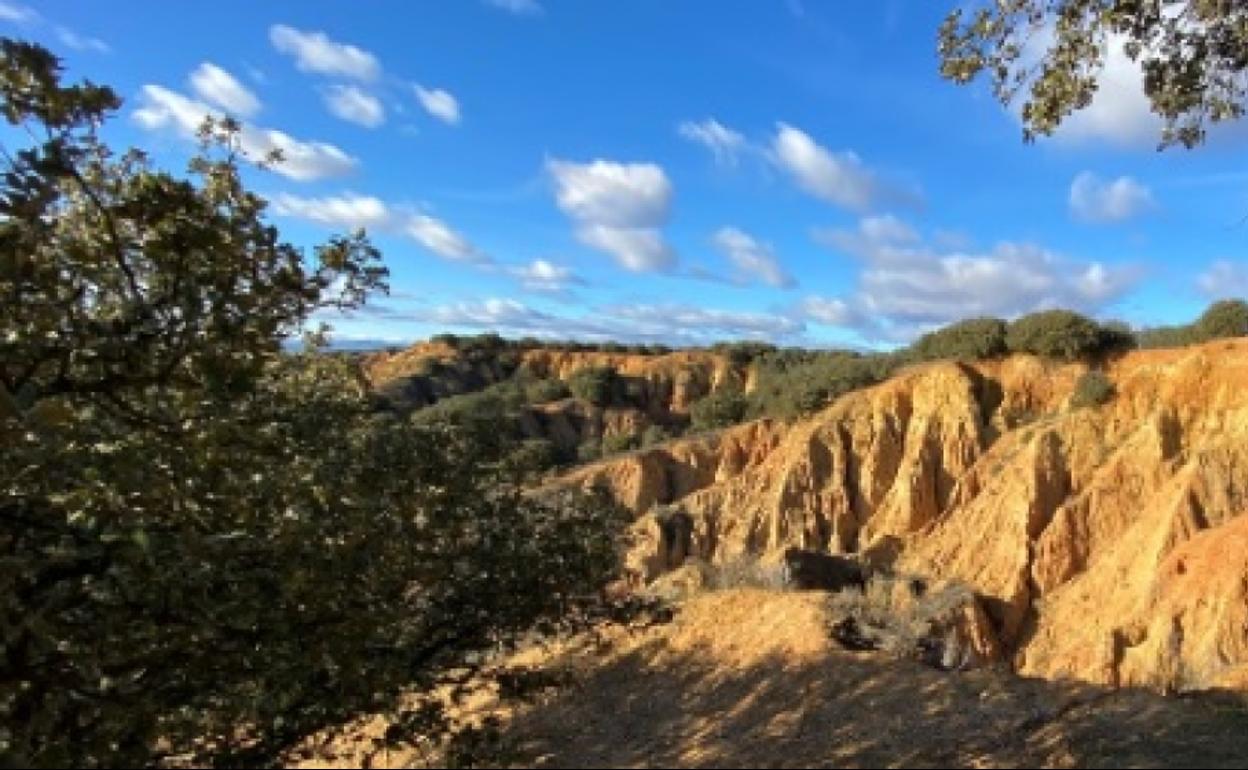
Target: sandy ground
point(750, 678)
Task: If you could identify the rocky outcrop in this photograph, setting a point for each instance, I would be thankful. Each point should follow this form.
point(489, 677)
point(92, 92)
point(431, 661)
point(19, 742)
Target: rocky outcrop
point(1100, 541)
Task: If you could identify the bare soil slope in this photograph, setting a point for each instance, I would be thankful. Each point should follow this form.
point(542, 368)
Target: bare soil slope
point(1068, 522)
point(749, 678)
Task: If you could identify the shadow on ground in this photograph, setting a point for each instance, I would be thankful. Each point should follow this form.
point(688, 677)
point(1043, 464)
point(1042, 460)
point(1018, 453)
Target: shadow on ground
point(657, 708)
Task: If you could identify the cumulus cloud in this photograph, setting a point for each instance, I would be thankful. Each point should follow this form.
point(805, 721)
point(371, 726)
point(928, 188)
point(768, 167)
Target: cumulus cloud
point(1120, 112)
point(753, 260)
point(355, 105)
point(724, 143)
point(1098, 201)
point(676, 323)
point(619, 208)
point(544, 276)
point(351, 210)
point(1224, 279)
point(840, 178)
point(438, 103)
point(315, 52)
point(518, 7)
point(301, 160)
point(908, 284)
point(213, 84)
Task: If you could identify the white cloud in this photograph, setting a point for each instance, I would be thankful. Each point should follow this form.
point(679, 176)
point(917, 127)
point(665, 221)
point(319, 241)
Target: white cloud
point(17, 13)
point(315, 52)
point(1120, 112)
point(908, 285)
point(354, 105)
point(352, 210)
point(302, 161)
point(639, 249)
point(1224, 279)
point(213, 84)
point(438, 237)
point(613, 194)
point(1097, 201)
point(348, 210)
point(753, 259)
point(78, 42)
point(619, 208)
point(438, 103)
point(518, 7)
point(838, 178)
point(722, 141)
point(833, 312)
point(545, 276)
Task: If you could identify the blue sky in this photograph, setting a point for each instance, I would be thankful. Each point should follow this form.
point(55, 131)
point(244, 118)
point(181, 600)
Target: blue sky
point(683, 172)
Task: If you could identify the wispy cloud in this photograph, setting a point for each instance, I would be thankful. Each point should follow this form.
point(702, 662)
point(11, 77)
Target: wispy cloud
point(163, 109)
point(724, 143)
point(316, 52)
point(518, 7)
point(215, 85)
point(355, 105)
point(351, 210)
point(438, 103)
point(753, 260)
point(839, 178)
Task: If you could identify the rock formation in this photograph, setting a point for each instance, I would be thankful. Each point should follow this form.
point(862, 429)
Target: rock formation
point(1103, 542)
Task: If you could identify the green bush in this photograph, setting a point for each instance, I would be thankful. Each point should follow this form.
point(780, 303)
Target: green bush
point(791, 383)
point(1227, 318)
point(596, 385)
point(545, 391)
point(618, 442)
point(743, 353)
point(535, 455)
point(973, 339)
point(1092, 389)
point(1059, 334)
point(724, 407)
point(589, 450)
point(654, 434)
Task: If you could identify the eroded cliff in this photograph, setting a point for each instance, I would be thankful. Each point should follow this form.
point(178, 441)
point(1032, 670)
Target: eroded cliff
point(1104, 541)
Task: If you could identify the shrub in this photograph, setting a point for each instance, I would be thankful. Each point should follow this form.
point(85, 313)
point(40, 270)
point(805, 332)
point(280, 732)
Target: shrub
point(725, 407)
point(742, 353)
point(618, 442)
point(1058, 334)
point(973, 339)
point(792, 383)
point(589, 450)
point(1227, 318)
point(654, 434)
point(1092, 389)
point(535, 455)
point(595, 385)
point(545, 391)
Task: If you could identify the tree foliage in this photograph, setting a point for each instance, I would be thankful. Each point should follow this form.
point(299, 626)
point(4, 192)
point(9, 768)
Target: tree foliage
point(210, 548)
point(1059, 334)
point(1193, 55)
point(973, 339)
